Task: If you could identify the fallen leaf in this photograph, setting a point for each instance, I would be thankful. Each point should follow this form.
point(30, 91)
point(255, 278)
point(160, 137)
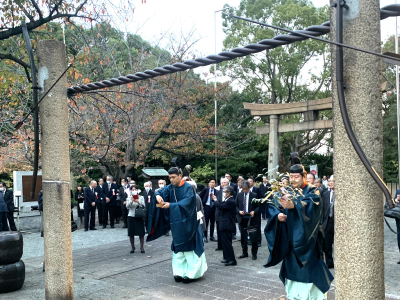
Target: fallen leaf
point(149, 256)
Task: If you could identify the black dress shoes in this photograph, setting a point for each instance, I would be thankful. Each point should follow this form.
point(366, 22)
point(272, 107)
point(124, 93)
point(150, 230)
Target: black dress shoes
point(331, 266)
point(112, 227)
point(178, 278)
point(187, 280)
point(244, 255)
point(205, 240)
point(224, 261)
point(124, 226)
point(104, 226)
point(231, 263)
point(93, 228)
point(213, 239)
point(254, 257)
point(398, 262)
point(234, 237)
point(259, 244)
point(218, 249)
point(86, 230)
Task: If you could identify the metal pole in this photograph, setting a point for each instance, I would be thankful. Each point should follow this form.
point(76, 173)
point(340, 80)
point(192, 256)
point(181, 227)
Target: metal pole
point(215, 97)
point(396, 42)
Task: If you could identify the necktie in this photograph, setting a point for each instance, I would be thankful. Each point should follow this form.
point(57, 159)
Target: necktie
point(332, 203)
point(244, 203)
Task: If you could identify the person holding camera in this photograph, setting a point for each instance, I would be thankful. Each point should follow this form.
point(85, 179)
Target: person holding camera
point(135, 222)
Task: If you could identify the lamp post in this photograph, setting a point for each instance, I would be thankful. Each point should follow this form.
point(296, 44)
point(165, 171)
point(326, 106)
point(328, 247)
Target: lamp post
point(215, 91)
point(396, 42)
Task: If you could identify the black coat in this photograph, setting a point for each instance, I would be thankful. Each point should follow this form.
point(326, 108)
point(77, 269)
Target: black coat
point(99, 192)
point(326, 205)
point(265, 189)
point(9, 200)
point(204, 196)
point(235, 187)
point(146, 196)
point(110, 193)
point(252, 207)
point(89, 197)
point(257, 191)
point(226, 214)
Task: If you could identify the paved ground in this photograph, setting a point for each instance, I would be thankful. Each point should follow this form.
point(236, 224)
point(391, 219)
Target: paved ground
point(104, 269)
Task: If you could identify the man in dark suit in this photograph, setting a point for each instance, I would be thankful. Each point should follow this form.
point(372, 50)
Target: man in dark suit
point(89, 205)
point(209, 208)
point(109, 201)
point(226, 216)
point(329, 227)
point(99, 200)
point(221, 198)
point(8, 197)
point(229, 177)
point(248, 214)
point(257, 191)
point(265, 188)
point(123, 195)
point(148, 193)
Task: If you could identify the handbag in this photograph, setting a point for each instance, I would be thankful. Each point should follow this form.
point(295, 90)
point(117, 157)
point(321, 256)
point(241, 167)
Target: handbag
point(250, 232)
point(140, 211)
point(393, 213)
point(81, 206)
point(73, 226)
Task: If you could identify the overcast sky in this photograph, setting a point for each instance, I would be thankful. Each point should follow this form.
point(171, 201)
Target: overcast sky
point(155, 17)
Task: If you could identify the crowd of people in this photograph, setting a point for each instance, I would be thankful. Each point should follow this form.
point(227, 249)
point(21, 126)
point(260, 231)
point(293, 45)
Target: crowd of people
point(299, 231)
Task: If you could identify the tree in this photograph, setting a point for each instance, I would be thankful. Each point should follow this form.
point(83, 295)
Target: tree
point(275, 76)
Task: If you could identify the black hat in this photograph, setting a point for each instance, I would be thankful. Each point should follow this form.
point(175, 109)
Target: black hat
point(297, 168)
point(174, 170)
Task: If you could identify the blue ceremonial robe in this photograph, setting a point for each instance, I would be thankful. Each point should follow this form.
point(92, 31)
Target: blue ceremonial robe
point(298, 241)
point(180, 218)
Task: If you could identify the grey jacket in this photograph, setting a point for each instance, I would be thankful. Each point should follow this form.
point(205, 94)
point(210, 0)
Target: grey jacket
point(131, 205)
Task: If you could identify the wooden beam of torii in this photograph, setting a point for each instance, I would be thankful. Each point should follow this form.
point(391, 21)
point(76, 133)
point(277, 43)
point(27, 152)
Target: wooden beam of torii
point(309, 109)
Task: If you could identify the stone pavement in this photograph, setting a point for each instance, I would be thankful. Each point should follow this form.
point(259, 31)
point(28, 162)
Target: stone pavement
point(104, 269)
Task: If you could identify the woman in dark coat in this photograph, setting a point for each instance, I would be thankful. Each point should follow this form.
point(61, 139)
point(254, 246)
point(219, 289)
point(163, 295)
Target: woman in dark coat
point(79, 197)
point(3, 214)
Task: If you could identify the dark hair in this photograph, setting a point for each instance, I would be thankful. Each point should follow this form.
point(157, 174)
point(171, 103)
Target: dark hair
point(212, 179)
point(311, 175)
point(3, 184)
point(79, 185)
point(132, 186)
point(250, 178)
point(229, 189)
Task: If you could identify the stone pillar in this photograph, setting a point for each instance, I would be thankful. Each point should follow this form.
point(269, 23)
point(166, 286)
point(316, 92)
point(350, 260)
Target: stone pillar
point(359, 227)
point(273, 153)
point(56, 171)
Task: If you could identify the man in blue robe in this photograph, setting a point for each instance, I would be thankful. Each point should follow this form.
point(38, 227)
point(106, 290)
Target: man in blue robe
point(294, 235)
point(174, 208)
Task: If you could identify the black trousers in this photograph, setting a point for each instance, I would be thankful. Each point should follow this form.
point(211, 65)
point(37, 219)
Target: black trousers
point(99, 207)
point(243, 238)
point(209, 214)
point(124, 214)
point(90, 212)
point(329, 240)
point(264, 211)
point(398, 233)
point(219, 234)
point(107, 209)
point(118, 212)
point(226, 240)
point(10, 217)
point(259, 230)
point(3, 222)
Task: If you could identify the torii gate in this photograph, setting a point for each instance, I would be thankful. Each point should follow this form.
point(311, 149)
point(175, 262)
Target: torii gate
point(309, 109)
